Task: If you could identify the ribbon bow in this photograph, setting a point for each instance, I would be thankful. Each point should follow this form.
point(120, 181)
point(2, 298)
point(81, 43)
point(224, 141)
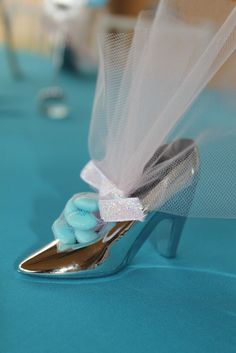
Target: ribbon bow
point(114, 206)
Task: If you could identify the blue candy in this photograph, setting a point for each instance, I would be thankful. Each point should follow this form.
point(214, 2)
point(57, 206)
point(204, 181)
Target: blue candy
point(77, 221)
point(70, 207)
point(63, 232)
point(86, 204)
point(85, 236)
point(81, 220)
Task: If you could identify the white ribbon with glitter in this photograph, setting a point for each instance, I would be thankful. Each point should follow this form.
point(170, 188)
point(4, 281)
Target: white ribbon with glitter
point(113, 205)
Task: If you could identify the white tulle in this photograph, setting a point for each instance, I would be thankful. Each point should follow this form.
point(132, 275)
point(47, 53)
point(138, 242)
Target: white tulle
point(148, 93)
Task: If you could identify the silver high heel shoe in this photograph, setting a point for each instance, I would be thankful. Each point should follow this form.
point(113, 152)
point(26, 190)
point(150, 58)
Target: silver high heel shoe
point(120, 242)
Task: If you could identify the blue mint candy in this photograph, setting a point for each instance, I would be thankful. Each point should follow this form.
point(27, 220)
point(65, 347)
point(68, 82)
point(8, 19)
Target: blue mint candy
point(85, 236)
point(81, 220)
point(63, 232)
point(70, 208)
point(86, 204)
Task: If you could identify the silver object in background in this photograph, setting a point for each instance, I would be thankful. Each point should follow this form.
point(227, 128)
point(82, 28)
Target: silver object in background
point(52, 100)
point(69, 24)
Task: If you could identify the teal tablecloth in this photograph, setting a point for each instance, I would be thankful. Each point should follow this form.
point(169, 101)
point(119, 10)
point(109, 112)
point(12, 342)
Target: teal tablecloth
point(186, 305)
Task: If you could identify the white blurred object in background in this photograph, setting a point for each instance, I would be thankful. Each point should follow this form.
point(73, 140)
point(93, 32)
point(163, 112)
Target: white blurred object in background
point(63, 10)
point(74, 23)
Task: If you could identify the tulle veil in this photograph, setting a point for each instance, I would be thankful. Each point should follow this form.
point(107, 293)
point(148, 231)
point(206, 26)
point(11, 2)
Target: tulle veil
point(173, 78)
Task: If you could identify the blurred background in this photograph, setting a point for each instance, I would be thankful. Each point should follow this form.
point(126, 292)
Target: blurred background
point(34, 23)
point(64, 32)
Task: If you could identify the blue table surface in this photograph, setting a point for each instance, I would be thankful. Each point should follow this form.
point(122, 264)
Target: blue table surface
point(155, 305)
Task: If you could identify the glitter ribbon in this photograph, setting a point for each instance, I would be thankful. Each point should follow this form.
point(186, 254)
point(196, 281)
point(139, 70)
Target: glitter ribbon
point(113, 205)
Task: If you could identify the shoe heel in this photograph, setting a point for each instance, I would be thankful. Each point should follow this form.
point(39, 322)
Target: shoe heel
point(167, 233)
